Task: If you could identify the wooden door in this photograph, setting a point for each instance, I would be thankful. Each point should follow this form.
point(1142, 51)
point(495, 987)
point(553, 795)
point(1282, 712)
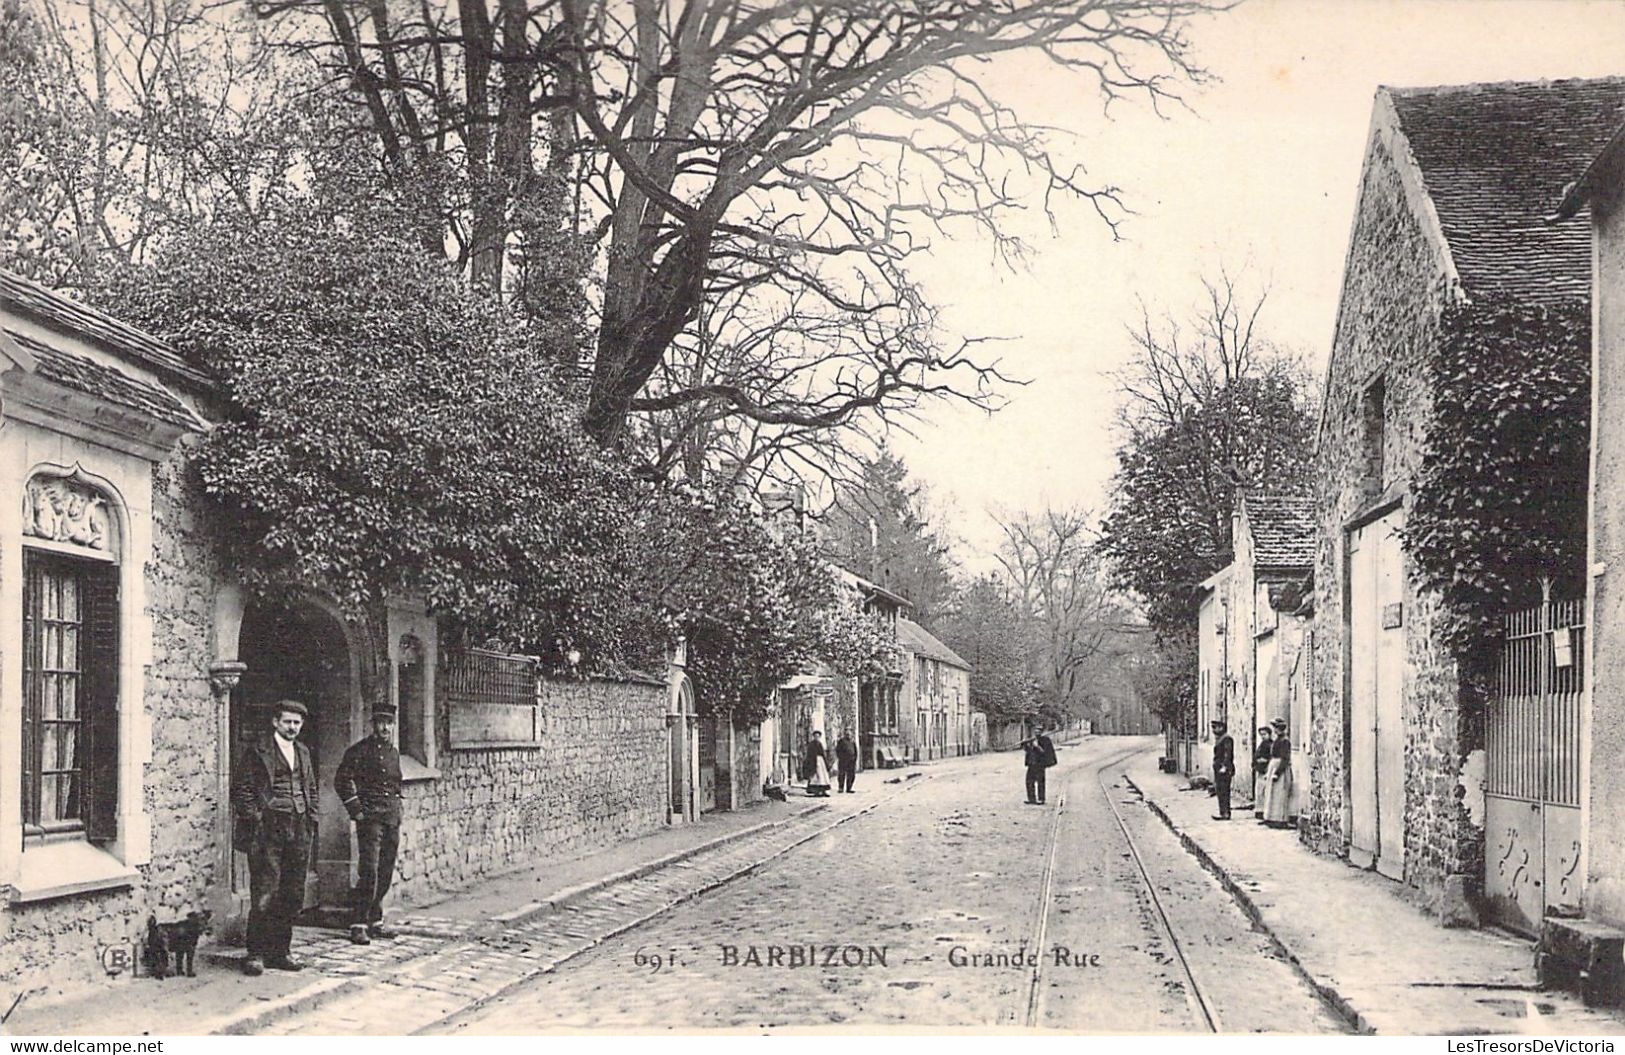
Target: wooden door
point(1362, 697)
point(1390, 622)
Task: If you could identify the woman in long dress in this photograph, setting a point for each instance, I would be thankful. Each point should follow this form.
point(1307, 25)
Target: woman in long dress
point(1278, 779)
point(1261, 768)
point(815, 767)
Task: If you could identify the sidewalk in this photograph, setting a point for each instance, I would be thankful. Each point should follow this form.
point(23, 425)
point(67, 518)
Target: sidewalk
point(460, 949)
point(1388, 966)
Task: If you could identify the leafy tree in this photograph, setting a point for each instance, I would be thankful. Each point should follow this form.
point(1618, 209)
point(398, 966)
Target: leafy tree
point(1206, 408)
point(1165, 677)
point(753, 607)
point(387, 427)
point(1500, 501)
point(880, 527)
point(1200, 418)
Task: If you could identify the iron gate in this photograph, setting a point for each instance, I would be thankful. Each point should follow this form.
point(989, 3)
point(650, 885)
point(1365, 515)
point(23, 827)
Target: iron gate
point(1532, 766)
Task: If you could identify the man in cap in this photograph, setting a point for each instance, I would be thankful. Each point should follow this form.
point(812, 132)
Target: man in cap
point(274, 798)
point(1039, 755)
point(1224, 767)
point(369, 783)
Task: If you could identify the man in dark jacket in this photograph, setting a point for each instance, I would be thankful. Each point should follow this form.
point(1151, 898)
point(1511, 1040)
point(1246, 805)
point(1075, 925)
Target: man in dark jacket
point(846, 761)
point(1040, 755)
point(274, 798)
point(1224, 768)
point(369, 784)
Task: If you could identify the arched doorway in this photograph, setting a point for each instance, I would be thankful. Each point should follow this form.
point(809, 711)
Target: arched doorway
point(683, 753)
point(302, 651)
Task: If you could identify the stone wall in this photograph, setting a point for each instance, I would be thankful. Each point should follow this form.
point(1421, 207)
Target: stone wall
point(57, 945)
point(747, 765)
point(1396, 285)
point(598, 775)
point(1605, 847)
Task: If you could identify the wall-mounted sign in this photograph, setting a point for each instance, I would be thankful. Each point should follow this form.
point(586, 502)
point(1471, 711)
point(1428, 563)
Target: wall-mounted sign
point(1393, 615)
point(1563, 648)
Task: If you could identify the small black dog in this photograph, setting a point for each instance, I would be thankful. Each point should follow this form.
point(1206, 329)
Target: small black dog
point(178, 940)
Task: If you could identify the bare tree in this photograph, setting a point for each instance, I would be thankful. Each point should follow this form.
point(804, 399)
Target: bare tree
point(1061, 587)
point(122, 121)
point(808, 150)
point(1178, 368)
point(1204, 407)
point(795, 152)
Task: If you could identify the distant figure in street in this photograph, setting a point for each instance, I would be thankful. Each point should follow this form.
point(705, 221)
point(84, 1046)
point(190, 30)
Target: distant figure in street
point(1040, 755)
point(1224, 768)
point(1278, 779)
point(274, 798)
point(815, 767)
point(1261, 767)
point(369, 784)
point(846, 761)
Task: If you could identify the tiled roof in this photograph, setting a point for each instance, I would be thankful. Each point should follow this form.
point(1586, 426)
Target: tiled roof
point(1283, 529)
point(871, 590)
point(92, 378)
point(1493, 158)
point(65, 314)
point(918, 639)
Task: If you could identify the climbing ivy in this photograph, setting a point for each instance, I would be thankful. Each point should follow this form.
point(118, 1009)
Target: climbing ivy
point(1500, 501)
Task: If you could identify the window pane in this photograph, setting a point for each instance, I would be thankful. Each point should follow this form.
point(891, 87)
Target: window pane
point(54, 785)
point(50, 804)
point(66, 755)
point(68, 786)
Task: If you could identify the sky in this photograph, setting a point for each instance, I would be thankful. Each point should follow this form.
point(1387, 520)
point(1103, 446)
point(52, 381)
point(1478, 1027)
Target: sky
point(1257, 176)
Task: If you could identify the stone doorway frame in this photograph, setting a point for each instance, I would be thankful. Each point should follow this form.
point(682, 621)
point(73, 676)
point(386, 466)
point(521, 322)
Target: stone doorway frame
point(232, 606)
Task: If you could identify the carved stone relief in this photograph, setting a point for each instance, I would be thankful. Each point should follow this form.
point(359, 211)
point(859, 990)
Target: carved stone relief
point(62, 510)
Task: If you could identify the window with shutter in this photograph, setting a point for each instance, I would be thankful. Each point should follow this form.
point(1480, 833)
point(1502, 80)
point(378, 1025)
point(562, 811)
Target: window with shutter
point(70, 698)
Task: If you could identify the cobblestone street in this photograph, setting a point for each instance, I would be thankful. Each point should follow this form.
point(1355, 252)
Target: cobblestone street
point(921, 913)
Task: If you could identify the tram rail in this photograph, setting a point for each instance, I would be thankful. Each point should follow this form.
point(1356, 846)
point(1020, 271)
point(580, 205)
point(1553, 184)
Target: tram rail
point(1201, 1007)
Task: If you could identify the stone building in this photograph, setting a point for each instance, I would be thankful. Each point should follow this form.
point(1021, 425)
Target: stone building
point(935, 692)
point(107, 593)
point(141, 668)
point(1251, 629)
point(878, 719)
point(1448, 210)
point(821, 699)
point(1193, 743)
point(1599, 190)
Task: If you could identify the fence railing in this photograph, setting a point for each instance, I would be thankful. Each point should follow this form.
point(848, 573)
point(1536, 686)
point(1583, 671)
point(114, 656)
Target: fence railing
point(492, 699)
point(1532, 736)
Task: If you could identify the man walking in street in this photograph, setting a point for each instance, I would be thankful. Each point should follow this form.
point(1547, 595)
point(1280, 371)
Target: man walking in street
point(369, 783)
point(1040, 755)
point(846, 761)
point(1224, 768)
point(274, 799)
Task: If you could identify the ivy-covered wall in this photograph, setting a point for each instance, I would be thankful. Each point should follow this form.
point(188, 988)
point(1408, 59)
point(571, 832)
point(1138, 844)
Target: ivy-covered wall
point(1396, 285)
